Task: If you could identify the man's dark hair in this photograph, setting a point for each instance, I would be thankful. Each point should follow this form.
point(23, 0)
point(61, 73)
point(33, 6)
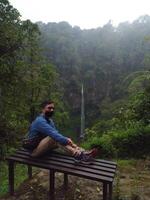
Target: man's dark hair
point(45, 103)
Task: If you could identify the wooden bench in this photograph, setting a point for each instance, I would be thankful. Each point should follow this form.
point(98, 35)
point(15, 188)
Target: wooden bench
point(101, 170)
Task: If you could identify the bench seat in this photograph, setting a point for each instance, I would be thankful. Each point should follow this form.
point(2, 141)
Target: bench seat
point(100, 170)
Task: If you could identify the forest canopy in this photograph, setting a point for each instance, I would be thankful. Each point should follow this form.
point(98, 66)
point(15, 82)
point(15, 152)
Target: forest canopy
point(40, 61)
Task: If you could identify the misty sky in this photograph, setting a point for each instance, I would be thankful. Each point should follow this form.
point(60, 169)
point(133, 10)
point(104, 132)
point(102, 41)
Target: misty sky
point(84, 13)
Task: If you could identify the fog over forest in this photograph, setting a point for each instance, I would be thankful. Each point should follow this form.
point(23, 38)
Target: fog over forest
point(101, 59)
point(40, 61)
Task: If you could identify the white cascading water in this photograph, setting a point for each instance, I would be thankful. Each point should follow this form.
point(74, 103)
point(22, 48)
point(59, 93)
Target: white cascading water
point(82, 133)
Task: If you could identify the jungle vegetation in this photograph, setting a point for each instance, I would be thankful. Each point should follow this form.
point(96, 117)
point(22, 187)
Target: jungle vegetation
point(40, 61)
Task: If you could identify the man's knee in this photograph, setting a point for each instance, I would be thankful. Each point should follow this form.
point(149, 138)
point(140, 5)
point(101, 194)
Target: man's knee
point(51, 142)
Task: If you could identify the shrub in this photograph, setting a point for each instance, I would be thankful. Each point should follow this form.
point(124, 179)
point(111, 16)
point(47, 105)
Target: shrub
point(131, 143)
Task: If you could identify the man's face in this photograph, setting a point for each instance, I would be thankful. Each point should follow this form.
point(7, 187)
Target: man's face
point(49, 110)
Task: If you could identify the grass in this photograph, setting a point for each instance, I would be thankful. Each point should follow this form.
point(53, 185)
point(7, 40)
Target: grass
point(20, 176)
point(132, 179)
point(127, 163)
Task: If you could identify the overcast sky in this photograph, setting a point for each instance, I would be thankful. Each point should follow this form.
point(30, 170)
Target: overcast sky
point(84, 13)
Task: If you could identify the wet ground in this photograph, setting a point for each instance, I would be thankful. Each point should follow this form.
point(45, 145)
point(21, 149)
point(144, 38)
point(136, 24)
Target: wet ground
point(132, 182)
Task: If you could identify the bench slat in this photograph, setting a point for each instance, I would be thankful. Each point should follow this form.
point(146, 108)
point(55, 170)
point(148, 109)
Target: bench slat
point(66, 157)
point(99, 160)
point(59, 153)
point(97, 163)
point(71, 166)
point(61, 159)
point(74, 172)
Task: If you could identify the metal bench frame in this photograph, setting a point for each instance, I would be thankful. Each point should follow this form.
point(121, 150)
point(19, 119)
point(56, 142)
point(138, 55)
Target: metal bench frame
point(101, 170)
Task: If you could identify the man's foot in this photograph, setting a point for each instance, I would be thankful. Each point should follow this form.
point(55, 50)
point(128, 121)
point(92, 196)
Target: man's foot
point(84, 158)
point(93, 152)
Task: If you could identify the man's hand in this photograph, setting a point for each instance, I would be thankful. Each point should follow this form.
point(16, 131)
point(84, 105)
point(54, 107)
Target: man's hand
point(71, 143)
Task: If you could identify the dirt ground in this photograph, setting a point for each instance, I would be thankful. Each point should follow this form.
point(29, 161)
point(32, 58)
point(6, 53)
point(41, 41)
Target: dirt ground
point(132, 182)
point(37, 188)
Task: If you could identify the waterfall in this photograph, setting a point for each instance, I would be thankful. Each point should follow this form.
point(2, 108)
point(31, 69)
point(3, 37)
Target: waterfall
point(82, 133)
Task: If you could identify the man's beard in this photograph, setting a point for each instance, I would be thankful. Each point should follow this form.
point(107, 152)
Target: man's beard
point(49, 114)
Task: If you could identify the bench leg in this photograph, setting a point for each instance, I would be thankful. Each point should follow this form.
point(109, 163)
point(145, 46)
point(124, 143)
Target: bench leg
point(110, 191)
point(29, 171)
point(65, 181)
point(107, 191)
point(11, 177)
point(52, 185)
point(104, 191)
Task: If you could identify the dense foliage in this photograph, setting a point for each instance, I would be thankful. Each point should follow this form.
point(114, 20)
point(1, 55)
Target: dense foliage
point(113, 64)
point(101, 58)
point(39, 61)
point(26, 77)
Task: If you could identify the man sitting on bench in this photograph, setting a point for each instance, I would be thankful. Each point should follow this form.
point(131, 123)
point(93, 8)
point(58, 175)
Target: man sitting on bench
point(43, 136)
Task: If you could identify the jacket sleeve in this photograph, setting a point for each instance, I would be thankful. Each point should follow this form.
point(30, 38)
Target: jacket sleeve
point(47, 129)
